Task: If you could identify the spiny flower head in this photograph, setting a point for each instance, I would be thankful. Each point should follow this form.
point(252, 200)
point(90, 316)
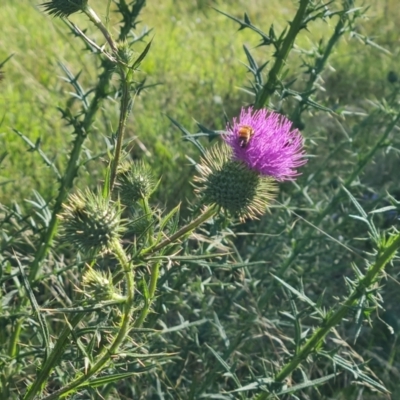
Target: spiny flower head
point(91, 223)
point(64, 8)
point(266, 142)
point(134, 182)
point(98, 286)
point(231, 185)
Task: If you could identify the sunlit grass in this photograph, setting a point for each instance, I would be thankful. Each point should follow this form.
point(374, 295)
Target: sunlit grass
point(195, 67)
point(196, 58)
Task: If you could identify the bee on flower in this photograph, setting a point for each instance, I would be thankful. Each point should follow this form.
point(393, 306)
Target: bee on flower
point(260, 147)
point(266, 142)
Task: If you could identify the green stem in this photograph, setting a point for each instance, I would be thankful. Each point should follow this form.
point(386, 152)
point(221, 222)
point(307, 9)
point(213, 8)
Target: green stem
point(107, 353)
point(308, 233)
point(155, 269)
point(153, 279)
point(383, 258)
point(203, 217)
point(123, 115)
point(148, 214)
point(273, 76)
point(97, 21)
point(208, 213)
point(53, 358)
point(13, 346)
point(321, 61)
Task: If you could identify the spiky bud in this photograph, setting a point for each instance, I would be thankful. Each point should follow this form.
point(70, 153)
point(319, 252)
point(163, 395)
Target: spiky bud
point(64, 8)
point(134, 182)
point(91, 223)
point(230, 184)
point(125, 53)
point(99, 286)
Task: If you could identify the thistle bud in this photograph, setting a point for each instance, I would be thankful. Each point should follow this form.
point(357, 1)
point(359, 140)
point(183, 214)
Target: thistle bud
point(125, 53)
point(91, 223)
point(99, 286)
point(230, 184)
point(134, 182)
point(64, 8)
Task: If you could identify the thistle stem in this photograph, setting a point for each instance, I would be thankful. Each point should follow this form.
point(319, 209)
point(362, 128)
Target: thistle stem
point(383, 258)
point(123, 115)
point(320, 63)
point(147, 213)
point(125, 100)
point(54, 356)
point(155, 269)
point(107, 353)
point(97, 21)
point(295, 26)
point(206, 214)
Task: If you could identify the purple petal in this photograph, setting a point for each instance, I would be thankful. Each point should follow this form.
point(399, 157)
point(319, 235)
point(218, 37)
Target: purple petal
point(275, 149)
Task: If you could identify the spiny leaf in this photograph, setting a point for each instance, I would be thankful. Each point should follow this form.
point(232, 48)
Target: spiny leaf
point(187, 135)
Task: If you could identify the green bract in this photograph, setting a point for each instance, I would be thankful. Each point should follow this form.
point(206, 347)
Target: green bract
point(125, 52)
point(134, 182)
point(91, 223)
point(231, 185)
point(99, 286)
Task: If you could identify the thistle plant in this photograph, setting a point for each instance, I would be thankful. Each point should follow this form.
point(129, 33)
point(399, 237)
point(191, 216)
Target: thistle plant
point(107, 293)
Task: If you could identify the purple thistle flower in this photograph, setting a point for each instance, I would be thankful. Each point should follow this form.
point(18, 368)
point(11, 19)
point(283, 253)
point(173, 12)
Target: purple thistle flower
point(266, 142)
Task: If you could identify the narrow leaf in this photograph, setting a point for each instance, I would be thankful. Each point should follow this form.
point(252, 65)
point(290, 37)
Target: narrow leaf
point(42, 321)
point(188, 136)
point(225, 365)
point(104, 380)
point(142, 55)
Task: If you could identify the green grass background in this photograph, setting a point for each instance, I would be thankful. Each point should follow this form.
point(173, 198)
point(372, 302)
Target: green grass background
point(196, 57)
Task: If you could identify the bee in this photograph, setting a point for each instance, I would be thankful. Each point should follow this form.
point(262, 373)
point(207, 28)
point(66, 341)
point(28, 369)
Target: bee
point(245, 133)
